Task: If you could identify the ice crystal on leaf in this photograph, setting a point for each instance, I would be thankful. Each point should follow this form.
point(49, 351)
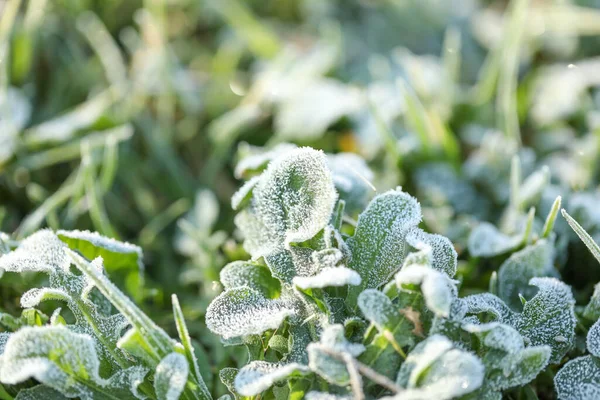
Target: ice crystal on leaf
point(244, 311)
point(171, 376)
point(258, 376)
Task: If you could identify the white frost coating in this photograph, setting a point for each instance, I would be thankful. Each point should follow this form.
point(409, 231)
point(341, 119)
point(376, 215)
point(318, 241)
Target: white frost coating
point(579, 379)
point(435, 286)
point(41, 252)
point(497, 336)
point(487, 241)
point(244, 311)
point(258, 376)
point(312, 395)
point(378, 245)
point(443, 254)
point(245, 273)
point(437, 370)
point(292, 202)
point(171, 376)
point(243, 193)
point(106, 243)
point(329, 276)
point(593, 339)
point(377, 308)
point(34, 353)
point(34, 297)
point(333, 338)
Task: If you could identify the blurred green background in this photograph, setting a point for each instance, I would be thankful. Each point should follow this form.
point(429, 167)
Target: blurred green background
point(128, 117)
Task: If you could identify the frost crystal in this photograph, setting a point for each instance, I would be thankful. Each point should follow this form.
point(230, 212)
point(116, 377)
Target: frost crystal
point(443, 255)
point(40, 252)
point(258, 376)
point(244, 311)
point(329, 277)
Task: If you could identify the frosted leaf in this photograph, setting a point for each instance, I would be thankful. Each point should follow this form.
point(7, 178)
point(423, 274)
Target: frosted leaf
point(489, 304)
point(547, 319)
point(171, 376)
point(227, 376)
point(313, 395)
point(329, 277)
point(487, 241)
point(292, 202)
point(352, 178)
point(258, 376)
point(548, 316)
point(508, 363)
point(40, 252)
point(257, 158)
point(443, 254)
point(435, 286)
point(244, 194)
point(497, 336)
point(378, 246)
point(328, 367)
point(579, 379)
point(34, 297)
point(40, 392)
point(593, 339)
point(244, 311)
point(436, 369)
point(245, 273)
point(116, 254)
point(592, 309)
point(54, 356)
point(378, 308)
point(514, 274)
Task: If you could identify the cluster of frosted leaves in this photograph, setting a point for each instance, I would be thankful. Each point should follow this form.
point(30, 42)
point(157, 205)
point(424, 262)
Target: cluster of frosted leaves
point(579, 378)
point(66, 361)
point(91, 358)
point(546, 319)
point(508, 362)
point(437, 369)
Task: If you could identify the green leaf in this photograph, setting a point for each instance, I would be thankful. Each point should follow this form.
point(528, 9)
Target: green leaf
point(592, 309)
point(116, 255)
point(487, 241)
point(378, 246)
point(40, 392)
point(171, 376)
point(255, 276)
point(39, 252)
